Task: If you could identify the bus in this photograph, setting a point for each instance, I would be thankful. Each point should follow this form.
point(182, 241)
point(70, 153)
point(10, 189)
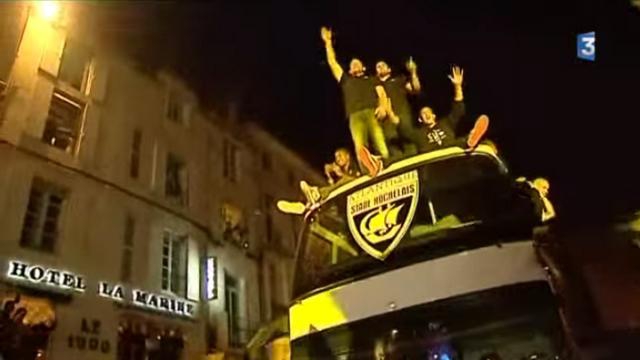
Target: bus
point(431, 259)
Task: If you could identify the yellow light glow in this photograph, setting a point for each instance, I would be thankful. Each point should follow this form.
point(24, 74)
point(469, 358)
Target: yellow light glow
point(321, 311)
point(49, 10)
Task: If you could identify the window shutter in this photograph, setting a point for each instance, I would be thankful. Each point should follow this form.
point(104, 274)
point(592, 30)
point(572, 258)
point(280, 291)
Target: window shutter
point(50, 61)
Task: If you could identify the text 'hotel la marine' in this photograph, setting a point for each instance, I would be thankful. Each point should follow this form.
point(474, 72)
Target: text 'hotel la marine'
point(134, 222)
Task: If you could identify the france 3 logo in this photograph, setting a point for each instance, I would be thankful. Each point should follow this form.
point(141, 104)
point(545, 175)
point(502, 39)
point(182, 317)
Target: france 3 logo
point(587, 46)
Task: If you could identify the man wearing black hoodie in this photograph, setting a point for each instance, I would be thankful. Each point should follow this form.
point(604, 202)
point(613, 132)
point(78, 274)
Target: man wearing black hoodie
point(439, 133)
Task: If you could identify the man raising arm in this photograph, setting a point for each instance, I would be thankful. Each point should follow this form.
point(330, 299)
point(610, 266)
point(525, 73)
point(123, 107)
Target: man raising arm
point(362, 101)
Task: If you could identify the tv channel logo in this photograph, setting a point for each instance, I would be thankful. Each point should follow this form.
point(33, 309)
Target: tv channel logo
point(587, 46)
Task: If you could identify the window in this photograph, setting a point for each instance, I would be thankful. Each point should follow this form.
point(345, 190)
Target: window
point(174, 263)
point(62, 128)
point(266, 162)
point(134, 166)
point(456, 195)
point(40, 228)
point(74, 64)
point(234, 228)
point(139, 339)
point(268, 204)
point(230, 161)
point(176, 110)
point(232, 307)
point(273, 277)
point(176, 180)
point(127, 251)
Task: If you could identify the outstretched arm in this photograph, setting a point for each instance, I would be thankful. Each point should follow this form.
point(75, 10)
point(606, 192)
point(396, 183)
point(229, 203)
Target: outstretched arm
point(413, 86)
point(457, 109)
point(456, 78)
point(336, 69)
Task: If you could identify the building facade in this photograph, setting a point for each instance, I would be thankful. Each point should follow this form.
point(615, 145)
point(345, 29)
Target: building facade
point(134, 224)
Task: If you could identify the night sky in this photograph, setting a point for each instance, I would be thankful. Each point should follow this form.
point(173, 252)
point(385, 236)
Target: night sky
point(573, 121)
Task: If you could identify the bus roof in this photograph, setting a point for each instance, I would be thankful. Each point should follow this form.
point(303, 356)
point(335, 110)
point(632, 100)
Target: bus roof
point(428, 157)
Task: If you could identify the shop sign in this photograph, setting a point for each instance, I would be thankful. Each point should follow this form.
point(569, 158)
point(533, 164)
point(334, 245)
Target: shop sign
point(210, 278)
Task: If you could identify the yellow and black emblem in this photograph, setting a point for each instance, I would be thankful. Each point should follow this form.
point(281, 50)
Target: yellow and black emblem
point(380, 215)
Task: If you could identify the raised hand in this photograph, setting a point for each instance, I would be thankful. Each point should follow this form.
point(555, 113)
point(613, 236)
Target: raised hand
point(380, 112)
point(411, 65)
point(456, 76)
point(326, 34)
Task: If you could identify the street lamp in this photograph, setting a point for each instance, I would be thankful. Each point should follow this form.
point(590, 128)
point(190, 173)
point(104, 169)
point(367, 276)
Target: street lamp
point(48, 10)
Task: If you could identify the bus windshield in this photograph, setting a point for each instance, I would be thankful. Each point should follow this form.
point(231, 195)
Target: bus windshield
point(427, 206)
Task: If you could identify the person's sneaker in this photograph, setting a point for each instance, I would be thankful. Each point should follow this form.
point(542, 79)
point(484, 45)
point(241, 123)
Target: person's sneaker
point(291, 207)
point(370, 162)
point(311, 193)
point(479, 129)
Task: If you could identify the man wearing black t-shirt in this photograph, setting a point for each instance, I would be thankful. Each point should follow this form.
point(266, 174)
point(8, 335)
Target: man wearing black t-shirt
point(364, 102)
point(398, 129)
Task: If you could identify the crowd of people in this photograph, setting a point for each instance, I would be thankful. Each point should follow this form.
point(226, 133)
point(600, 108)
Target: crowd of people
point(380, 116)
point(383, 128)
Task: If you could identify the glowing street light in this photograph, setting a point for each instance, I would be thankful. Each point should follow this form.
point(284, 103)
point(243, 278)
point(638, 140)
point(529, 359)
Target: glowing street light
point(48, 10)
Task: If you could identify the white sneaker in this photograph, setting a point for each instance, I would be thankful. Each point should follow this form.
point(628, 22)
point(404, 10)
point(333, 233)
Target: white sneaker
point(291, 207)
point(310, 192)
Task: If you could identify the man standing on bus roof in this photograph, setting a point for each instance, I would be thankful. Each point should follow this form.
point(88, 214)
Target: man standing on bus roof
point(399, 129)
point(364, 102)
point(438, 133)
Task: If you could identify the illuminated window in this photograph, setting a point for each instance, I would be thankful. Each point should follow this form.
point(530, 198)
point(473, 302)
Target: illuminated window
point(127, 251)
point(176, 180)
point(74, 64)
point(230, 161)
point(40, 227)
point(234, 228)
point(62, 128)
point(174, 263)
point(134, 165)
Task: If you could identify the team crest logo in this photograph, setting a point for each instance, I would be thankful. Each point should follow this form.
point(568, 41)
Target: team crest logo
point(380, 215)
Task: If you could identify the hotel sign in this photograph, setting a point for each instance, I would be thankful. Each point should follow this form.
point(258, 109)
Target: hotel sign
point(35, 274)
point(157, 302)
point(64, 280)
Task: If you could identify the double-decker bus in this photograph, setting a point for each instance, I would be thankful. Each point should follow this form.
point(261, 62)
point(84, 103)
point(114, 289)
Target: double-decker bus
point(431, 259)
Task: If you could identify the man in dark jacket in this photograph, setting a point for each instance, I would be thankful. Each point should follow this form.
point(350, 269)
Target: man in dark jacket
point(438, 133)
